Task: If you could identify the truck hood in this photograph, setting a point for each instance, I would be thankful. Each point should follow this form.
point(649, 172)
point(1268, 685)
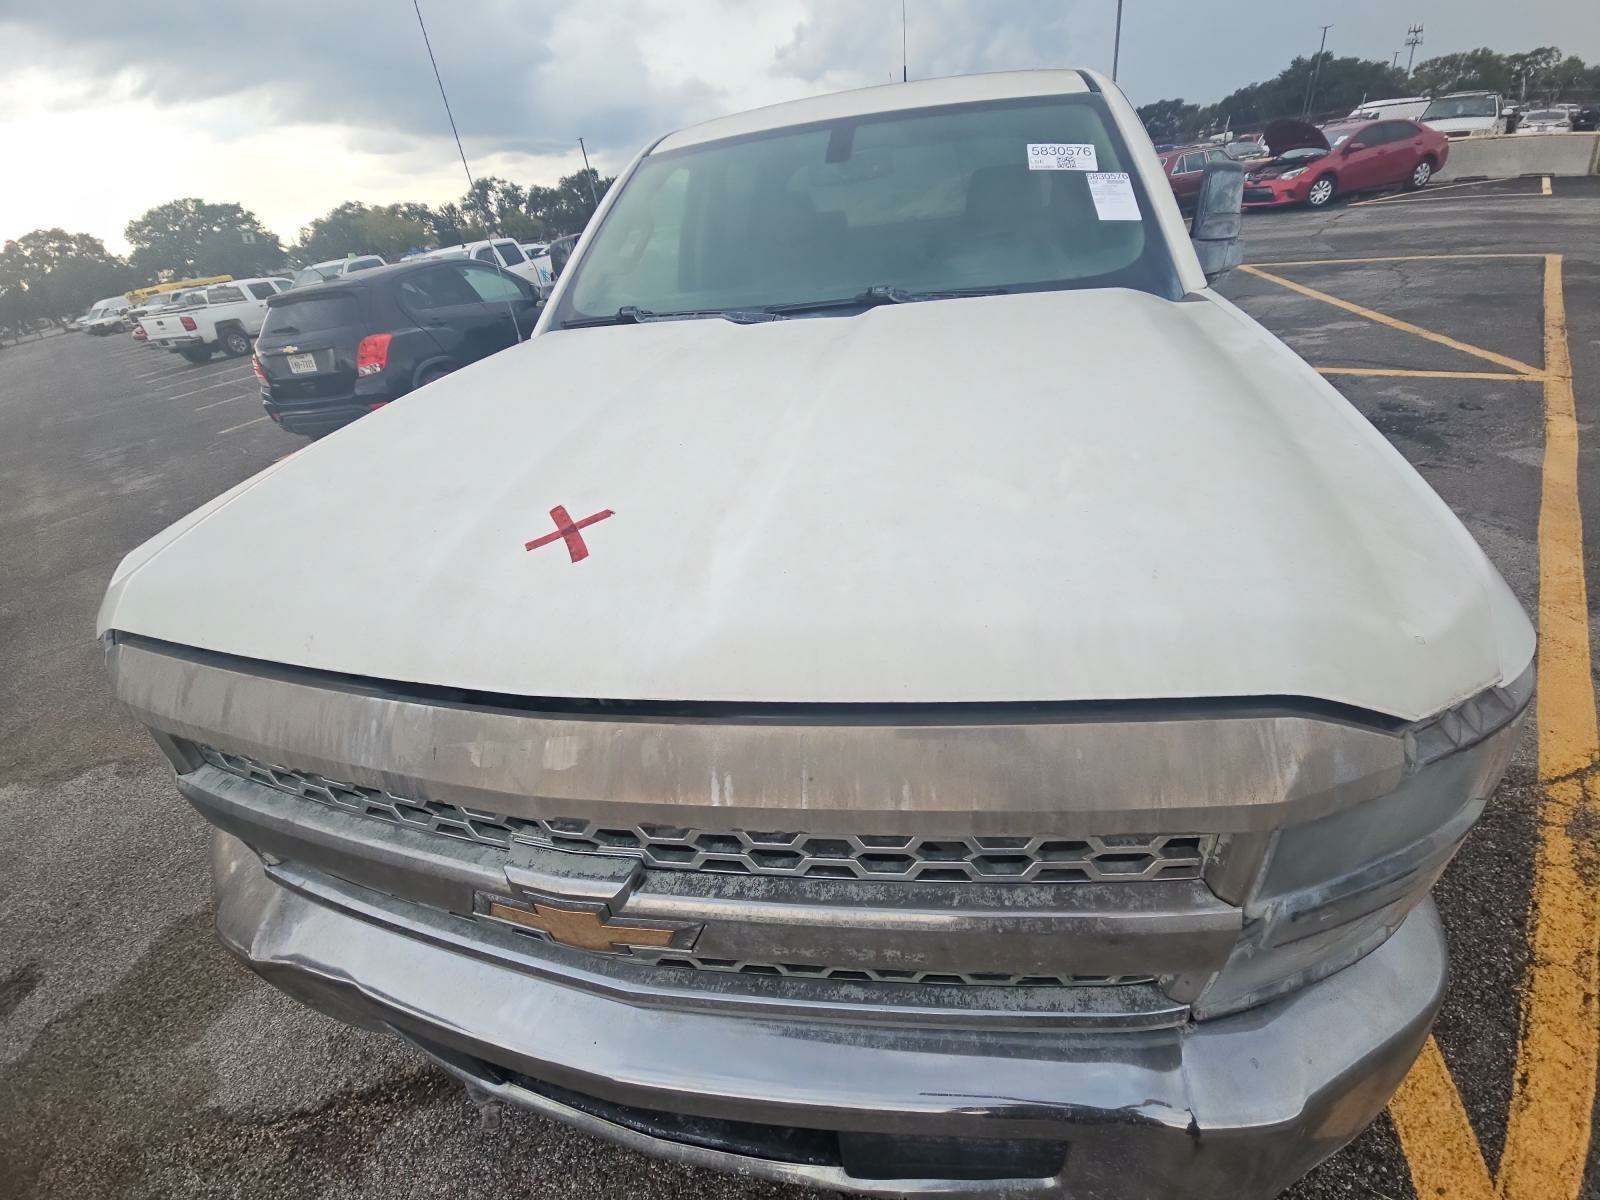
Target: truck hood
point(1093, 495)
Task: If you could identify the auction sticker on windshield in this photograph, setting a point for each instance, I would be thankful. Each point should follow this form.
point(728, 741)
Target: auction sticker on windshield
point(1112, 193)
point(1061, 156)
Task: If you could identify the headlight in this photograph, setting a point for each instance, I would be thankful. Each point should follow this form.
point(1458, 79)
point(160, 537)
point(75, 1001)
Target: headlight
point(1292, 174)
point(1333, 889)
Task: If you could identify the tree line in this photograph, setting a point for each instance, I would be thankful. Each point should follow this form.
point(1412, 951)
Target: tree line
point(1538, 77)
point(50, 275)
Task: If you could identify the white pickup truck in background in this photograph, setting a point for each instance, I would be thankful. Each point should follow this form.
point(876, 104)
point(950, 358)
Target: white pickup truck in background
point(224, 317)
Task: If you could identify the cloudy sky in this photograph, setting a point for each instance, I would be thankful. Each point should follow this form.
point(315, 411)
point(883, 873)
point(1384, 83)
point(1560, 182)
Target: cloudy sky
point(291, 107)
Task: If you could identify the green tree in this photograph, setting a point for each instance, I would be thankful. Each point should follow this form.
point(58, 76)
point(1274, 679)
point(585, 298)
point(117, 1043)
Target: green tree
point(355, 228)
point(1170, 120)
point(190, 237)
point(50, 274)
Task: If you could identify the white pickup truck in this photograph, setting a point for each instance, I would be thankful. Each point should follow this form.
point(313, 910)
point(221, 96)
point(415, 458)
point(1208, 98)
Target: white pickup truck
point(897, 686)
point(223, 317)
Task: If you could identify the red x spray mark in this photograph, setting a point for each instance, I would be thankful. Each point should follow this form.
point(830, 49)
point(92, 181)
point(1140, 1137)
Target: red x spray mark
point(567, 530)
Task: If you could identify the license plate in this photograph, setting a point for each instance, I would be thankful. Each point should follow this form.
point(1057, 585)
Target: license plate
point(302, 364)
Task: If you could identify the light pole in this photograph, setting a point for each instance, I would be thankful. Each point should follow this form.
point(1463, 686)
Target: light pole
point(588, 173)
point(1316, 70)
point(1116, 44)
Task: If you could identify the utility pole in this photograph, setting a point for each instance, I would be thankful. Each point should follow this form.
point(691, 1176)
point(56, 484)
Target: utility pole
point(1116, 44)
point(1316, 70)
point(905, 74)
point(588, 173)
point(1413, 40)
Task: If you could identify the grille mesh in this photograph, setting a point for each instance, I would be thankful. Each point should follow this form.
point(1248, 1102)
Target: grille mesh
point(879, 975)
point(743, 852)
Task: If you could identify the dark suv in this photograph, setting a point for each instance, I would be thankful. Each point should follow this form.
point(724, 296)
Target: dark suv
point(330, 353)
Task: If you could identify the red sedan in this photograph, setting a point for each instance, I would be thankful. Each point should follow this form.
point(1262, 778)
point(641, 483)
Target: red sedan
point(1185, 168)
point(1311, 166)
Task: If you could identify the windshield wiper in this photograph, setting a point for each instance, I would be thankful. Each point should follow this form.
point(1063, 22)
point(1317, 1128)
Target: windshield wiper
point(631, 314)
point(882, 294)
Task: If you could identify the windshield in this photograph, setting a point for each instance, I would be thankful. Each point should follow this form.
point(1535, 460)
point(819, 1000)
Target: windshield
point(929, 201)
point(1546, 114)
point(312, 314)
point(1300, 154)
point(1459, 106)
point(317, 274)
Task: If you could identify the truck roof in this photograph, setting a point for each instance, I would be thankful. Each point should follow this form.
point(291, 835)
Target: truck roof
point(887, 97)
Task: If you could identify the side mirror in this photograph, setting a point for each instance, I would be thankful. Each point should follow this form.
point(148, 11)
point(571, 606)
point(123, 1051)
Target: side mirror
point(1218, 220)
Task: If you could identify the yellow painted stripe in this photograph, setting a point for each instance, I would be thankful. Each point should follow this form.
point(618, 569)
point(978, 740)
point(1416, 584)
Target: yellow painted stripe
point(1395, 322)
point(1344, 262)
point(1545, 182)
point(1552, 1099)
point(1430, 374)
point(1441, 1149)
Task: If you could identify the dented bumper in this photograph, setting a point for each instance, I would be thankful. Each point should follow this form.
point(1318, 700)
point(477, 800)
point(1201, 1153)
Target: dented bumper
point(842, 1098)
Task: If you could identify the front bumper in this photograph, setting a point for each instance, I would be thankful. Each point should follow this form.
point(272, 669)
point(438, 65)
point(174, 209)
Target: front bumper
point(1235, 1107)
point(1276, 193)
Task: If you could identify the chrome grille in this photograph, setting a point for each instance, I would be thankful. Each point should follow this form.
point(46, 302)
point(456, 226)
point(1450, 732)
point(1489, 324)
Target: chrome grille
point(880, 975)
point(967, 858)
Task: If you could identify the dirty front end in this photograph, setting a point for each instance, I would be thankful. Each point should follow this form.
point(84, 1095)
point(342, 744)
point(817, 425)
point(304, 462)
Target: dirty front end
point(1019, 949)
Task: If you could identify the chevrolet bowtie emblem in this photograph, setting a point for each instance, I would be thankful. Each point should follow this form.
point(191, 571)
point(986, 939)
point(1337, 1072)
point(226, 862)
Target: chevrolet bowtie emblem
point(584, 929)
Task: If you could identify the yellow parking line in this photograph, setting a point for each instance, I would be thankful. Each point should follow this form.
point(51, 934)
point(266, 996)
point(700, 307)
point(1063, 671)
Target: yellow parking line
point(1428, 374)
point(1521, 368)
point(1545, 184)
point(1442, 1151)
point(1342, 262)
point(1552, 1098)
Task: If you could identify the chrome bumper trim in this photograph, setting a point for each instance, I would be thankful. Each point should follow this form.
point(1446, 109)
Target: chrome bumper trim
point(1238, 1107)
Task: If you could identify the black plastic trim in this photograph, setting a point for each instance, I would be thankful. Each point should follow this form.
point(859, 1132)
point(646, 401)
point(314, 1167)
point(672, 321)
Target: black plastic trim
point(1010, 712)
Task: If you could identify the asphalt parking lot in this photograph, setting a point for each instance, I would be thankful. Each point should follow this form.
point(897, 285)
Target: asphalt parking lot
point(136, 1059)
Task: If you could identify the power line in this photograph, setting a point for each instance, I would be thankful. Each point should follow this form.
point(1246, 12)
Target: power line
point(416, 4)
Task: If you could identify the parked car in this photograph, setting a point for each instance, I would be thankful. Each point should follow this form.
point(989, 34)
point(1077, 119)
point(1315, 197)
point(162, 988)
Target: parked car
point(103, 317)
point(331, 353)
point(1312, 166)
point(1014, 770)
point(1405, 107)
point(1245, 149)
point(143, 317)
point(1463, 114)
point(499, 252)
point(560, 251)
point(226, 320)
point(1546, 120)
point(1185, 168)
point(335, 268)
point(538, 253)
point(1586, 119)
